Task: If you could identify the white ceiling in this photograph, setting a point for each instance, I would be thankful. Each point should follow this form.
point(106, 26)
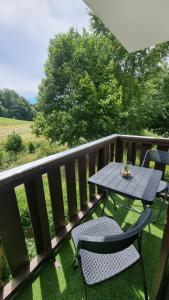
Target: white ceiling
point(137, 24)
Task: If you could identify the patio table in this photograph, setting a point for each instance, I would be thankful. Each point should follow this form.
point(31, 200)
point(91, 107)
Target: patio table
point(142, 185)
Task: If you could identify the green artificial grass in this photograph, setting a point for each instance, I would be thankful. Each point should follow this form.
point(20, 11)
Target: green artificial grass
point(64, 283)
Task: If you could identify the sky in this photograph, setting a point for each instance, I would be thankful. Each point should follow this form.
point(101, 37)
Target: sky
point(26, 26)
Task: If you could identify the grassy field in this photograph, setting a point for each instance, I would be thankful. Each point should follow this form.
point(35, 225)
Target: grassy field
point(7, 126)
point(43, 147)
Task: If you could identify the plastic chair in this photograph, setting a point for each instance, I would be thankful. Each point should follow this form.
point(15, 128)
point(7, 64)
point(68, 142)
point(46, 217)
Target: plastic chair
point(104, 250)
point(161, 157)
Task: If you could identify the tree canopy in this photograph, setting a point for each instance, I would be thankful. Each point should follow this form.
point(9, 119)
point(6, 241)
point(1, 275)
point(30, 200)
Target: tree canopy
point(14, 106)
point(93, 87)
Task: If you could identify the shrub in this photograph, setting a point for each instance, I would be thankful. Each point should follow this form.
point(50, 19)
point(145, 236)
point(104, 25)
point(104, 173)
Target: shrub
point(25, 218)
point(31, 147)
point(14, 143)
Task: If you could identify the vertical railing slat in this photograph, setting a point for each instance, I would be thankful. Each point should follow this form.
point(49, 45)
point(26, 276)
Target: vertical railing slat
point(119, 151)
point(82, 181)
point(112, 152)
point(131, 153)
point(71, 189)
point(11, 231)
point(101, 158)
point(107, 154)
point(92, 163)
point(38, 212)
point(56, 195)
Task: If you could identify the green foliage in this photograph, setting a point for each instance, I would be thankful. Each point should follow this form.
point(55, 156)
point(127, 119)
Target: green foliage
point(31, 147)
point(79, 98)
point(14, 143)
point(25, 218)
point(30, 243)
point(14, 106)
point(144, 78)
point(93, 87)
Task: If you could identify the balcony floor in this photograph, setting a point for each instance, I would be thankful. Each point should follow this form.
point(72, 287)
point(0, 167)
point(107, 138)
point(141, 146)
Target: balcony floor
point(64, 283)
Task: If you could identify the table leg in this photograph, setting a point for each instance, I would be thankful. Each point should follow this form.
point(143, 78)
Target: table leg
point(104, 204)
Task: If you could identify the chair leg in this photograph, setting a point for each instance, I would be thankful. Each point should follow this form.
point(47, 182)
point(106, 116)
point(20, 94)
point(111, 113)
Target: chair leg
point(82, 282)
point(160, 210)
point(84, 290)
point(114, 202)
point(143, 278)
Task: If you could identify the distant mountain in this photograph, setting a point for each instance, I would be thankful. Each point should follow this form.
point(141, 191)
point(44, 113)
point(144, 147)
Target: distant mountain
point(14, 106)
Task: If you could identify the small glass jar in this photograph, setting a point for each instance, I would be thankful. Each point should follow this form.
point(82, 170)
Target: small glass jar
point(126, 170)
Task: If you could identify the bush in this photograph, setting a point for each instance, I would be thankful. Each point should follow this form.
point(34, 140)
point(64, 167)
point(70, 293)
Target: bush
point(31, 147)
point(14, 143)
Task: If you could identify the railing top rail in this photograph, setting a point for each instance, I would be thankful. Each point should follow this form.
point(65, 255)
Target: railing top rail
point(144, 139)
point(17, 174)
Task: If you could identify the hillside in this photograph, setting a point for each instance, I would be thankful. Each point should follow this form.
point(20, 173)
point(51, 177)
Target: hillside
point(7, 126)
point(15, 106)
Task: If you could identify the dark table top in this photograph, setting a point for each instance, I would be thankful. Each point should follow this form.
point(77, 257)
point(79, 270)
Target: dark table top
point(143, 184)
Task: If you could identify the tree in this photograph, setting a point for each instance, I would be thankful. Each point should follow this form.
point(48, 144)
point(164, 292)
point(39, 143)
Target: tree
point(79, 98)
point(134, 73)
point(14, 106)
point(155, 103)
point(14, 143)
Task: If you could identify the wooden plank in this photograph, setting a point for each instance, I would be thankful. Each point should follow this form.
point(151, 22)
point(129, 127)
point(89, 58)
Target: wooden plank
point(55, 187)
point(92, 164)
point(144, 140)
point(107, 154)
point(112, 152)
point(162, 263)
point(71, 189)
point(101, 158)
point(82, 181)
point(37, 208)
point(11, 231)
point(131, 153)
point(159, 166)
point(143, 149)
point(119, 151)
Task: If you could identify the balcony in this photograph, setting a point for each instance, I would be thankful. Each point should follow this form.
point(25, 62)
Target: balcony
point(63, 178)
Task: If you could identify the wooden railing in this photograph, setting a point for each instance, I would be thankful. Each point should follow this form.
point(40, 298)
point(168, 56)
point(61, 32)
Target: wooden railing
point(79, 163)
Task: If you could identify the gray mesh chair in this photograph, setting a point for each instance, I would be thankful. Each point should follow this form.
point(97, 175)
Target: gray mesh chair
point(161, 157)
point(104, 250)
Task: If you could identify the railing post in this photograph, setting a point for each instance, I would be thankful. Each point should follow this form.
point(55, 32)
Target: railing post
point(71, 189)
point(82, 182)
point(92, 163)
point(162, 263)
point(11, 231)
point(37, 208)
point(56, 195)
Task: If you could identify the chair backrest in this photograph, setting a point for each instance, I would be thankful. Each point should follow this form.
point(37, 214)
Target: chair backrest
point(115, 243)
point(157, 156)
